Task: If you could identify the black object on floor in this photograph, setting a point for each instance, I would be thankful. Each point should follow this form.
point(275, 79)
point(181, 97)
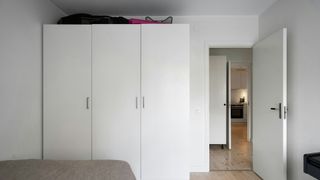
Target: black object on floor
point(312, 164)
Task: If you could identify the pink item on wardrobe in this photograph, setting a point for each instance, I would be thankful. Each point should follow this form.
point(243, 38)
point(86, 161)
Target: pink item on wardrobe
point(141, 21)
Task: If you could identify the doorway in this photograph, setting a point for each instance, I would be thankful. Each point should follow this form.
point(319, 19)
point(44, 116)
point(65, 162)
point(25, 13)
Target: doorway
point(230, 108)
point(268, 105)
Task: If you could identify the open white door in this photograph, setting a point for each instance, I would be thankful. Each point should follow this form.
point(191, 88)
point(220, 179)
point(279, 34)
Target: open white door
point(229, 105)
point(269, 107)
point(218, 100)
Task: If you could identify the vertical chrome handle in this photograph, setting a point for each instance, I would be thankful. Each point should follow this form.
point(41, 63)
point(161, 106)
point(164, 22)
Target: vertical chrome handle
point(279, 109)
point(143, 102)
point(136, 102)
point(87, 101)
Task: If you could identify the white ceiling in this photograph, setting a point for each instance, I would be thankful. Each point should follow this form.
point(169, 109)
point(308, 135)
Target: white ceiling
point(165, 7)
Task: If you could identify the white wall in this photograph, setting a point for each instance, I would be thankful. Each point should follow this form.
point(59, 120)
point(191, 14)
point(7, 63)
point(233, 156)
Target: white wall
point(20, 75)
point(214, 30)
point(301, 17)
point(233, 54)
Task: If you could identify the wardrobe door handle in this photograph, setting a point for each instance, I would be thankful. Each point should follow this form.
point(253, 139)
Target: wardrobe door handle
point(137, 103)
point(87, 103)
point(143, 102)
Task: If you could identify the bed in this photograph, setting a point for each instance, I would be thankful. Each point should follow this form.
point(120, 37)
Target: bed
point(65, 170)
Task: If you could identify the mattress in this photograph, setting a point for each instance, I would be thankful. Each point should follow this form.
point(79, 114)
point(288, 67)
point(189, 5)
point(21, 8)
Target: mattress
point(65, 170)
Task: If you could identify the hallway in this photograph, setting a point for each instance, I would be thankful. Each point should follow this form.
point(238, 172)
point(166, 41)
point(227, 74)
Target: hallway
point(234, 164)
point(225, 175)
point(239, 157)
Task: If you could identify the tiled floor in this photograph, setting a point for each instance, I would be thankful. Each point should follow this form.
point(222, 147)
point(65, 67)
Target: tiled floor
point(239, 157)
point(234, 164)
point(225, 175)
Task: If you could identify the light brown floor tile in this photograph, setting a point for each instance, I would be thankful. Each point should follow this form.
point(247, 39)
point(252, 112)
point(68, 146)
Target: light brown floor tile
point(234, 164)
point(225, 175)
point(239, 157)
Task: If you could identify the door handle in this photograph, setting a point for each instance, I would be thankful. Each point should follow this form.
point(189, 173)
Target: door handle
point(143, 102)
point(137, 103)
point(87, 102)
point(279, 109)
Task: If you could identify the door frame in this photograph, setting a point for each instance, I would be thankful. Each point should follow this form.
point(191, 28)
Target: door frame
point(207, 46)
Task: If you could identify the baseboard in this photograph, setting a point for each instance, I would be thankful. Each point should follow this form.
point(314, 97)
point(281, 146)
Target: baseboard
point(25, 156)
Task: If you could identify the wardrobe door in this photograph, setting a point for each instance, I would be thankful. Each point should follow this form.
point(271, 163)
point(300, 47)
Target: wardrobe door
point(165, 96)
point(66, 92)
point(116, 93)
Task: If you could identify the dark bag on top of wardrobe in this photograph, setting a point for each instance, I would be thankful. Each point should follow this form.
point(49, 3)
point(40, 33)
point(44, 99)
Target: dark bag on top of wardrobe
point(90, 19)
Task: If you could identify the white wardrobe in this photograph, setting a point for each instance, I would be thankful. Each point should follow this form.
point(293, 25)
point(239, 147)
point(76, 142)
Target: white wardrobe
point(118, 92)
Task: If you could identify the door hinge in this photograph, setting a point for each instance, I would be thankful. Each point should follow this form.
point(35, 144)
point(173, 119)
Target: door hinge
point(285, 112)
